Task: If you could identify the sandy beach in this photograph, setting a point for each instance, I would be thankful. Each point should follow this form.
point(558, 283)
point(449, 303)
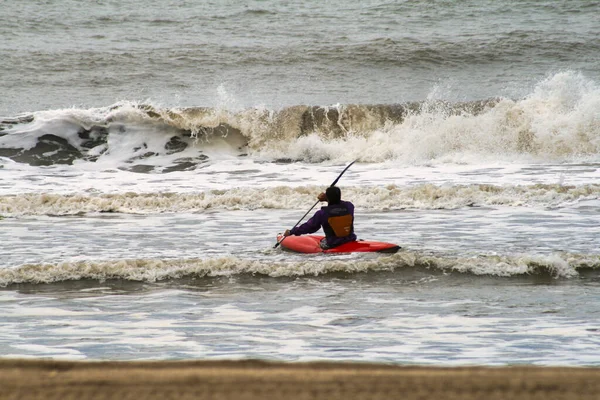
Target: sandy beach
point(45, 379)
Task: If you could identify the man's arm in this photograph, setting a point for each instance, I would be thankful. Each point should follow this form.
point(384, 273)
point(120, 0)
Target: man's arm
point(310, 226)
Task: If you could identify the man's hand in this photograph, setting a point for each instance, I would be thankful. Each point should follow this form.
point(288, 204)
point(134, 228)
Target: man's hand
point(287, 232)
point(322, 197)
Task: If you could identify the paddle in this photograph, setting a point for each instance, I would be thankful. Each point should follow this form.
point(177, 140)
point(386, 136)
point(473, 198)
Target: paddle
point(304, 216)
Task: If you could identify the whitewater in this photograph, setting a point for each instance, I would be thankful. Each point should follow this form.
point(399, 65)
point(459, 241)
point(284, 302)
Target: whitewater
point(150, 157)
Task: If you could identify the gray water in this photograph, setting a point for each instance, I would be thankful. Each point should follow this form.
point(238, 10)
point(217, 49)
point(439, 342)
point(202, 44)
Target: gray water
point(63, 53)
point(386, 317)
point(132, 229)
point(435, 302)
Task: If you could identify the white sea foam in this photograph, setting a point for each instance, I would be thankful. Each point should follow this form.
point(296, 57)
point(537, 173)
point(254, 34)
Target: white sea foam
point(557, 122)
point(562, 265)
point(377, 198)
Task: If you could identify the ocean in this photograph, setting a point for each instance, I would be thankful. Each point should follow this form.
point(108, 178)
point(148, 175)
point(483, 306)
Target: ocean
point(150, 153)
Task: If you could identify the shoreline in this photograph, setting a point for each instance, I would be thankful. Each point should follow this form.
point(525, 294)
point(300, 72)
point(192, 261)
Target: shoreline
point(252, 379)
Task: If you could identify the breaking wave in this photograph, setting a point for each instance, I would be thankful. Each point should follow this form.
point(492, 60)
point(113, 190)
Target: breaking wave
point(371, 198)
point(557, 122)
point(563, 265)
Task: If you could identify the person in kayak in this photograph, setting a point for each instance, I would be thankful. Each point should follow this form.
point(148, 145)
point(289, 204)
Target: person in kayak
point(337, 220)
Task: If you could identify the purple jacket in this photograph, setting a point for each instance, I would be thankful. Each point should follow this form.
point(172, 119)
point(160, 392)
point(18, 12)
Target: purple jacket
point(317, 221)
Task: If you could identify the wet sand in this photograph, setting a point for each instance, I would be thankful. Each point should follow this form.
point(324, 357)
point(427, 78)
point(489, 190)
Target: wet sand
point(46, 379)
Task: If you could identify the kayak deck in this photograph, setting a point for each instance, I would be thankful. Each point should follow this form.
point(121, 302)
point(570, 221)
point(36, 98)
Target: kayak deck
point(310, 244)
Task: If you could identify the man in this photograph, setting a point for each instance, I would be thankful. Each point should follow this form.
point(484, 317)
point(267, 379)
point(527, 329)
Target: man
point(337, 220)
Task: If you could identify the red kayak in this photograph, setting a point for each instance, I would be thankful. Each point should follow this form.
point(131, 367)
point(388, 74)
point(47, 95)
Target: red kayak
point(310, 244)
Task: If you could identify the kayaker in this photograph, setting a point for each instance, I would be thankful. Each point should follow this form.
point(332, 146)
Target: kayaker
point(337, 220)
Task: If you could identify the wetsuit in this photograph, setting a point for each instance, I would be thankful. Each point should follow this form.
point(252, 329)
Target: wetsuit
point(337, 221)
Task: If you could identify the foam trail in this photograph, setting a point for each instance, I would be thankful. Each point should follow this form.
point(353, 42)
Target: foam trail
point(563, 265)
point(376, 198)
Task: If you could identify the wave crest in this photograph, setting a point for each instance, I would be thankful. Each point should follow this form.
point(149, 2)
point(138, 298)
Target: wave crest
point(562, 265)
point(558, 121)
point(369, 198)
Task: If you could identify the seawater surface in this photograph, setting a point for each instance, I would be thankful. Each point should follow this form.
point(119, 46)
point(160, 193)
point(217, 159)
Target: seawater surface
point(149, 155)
